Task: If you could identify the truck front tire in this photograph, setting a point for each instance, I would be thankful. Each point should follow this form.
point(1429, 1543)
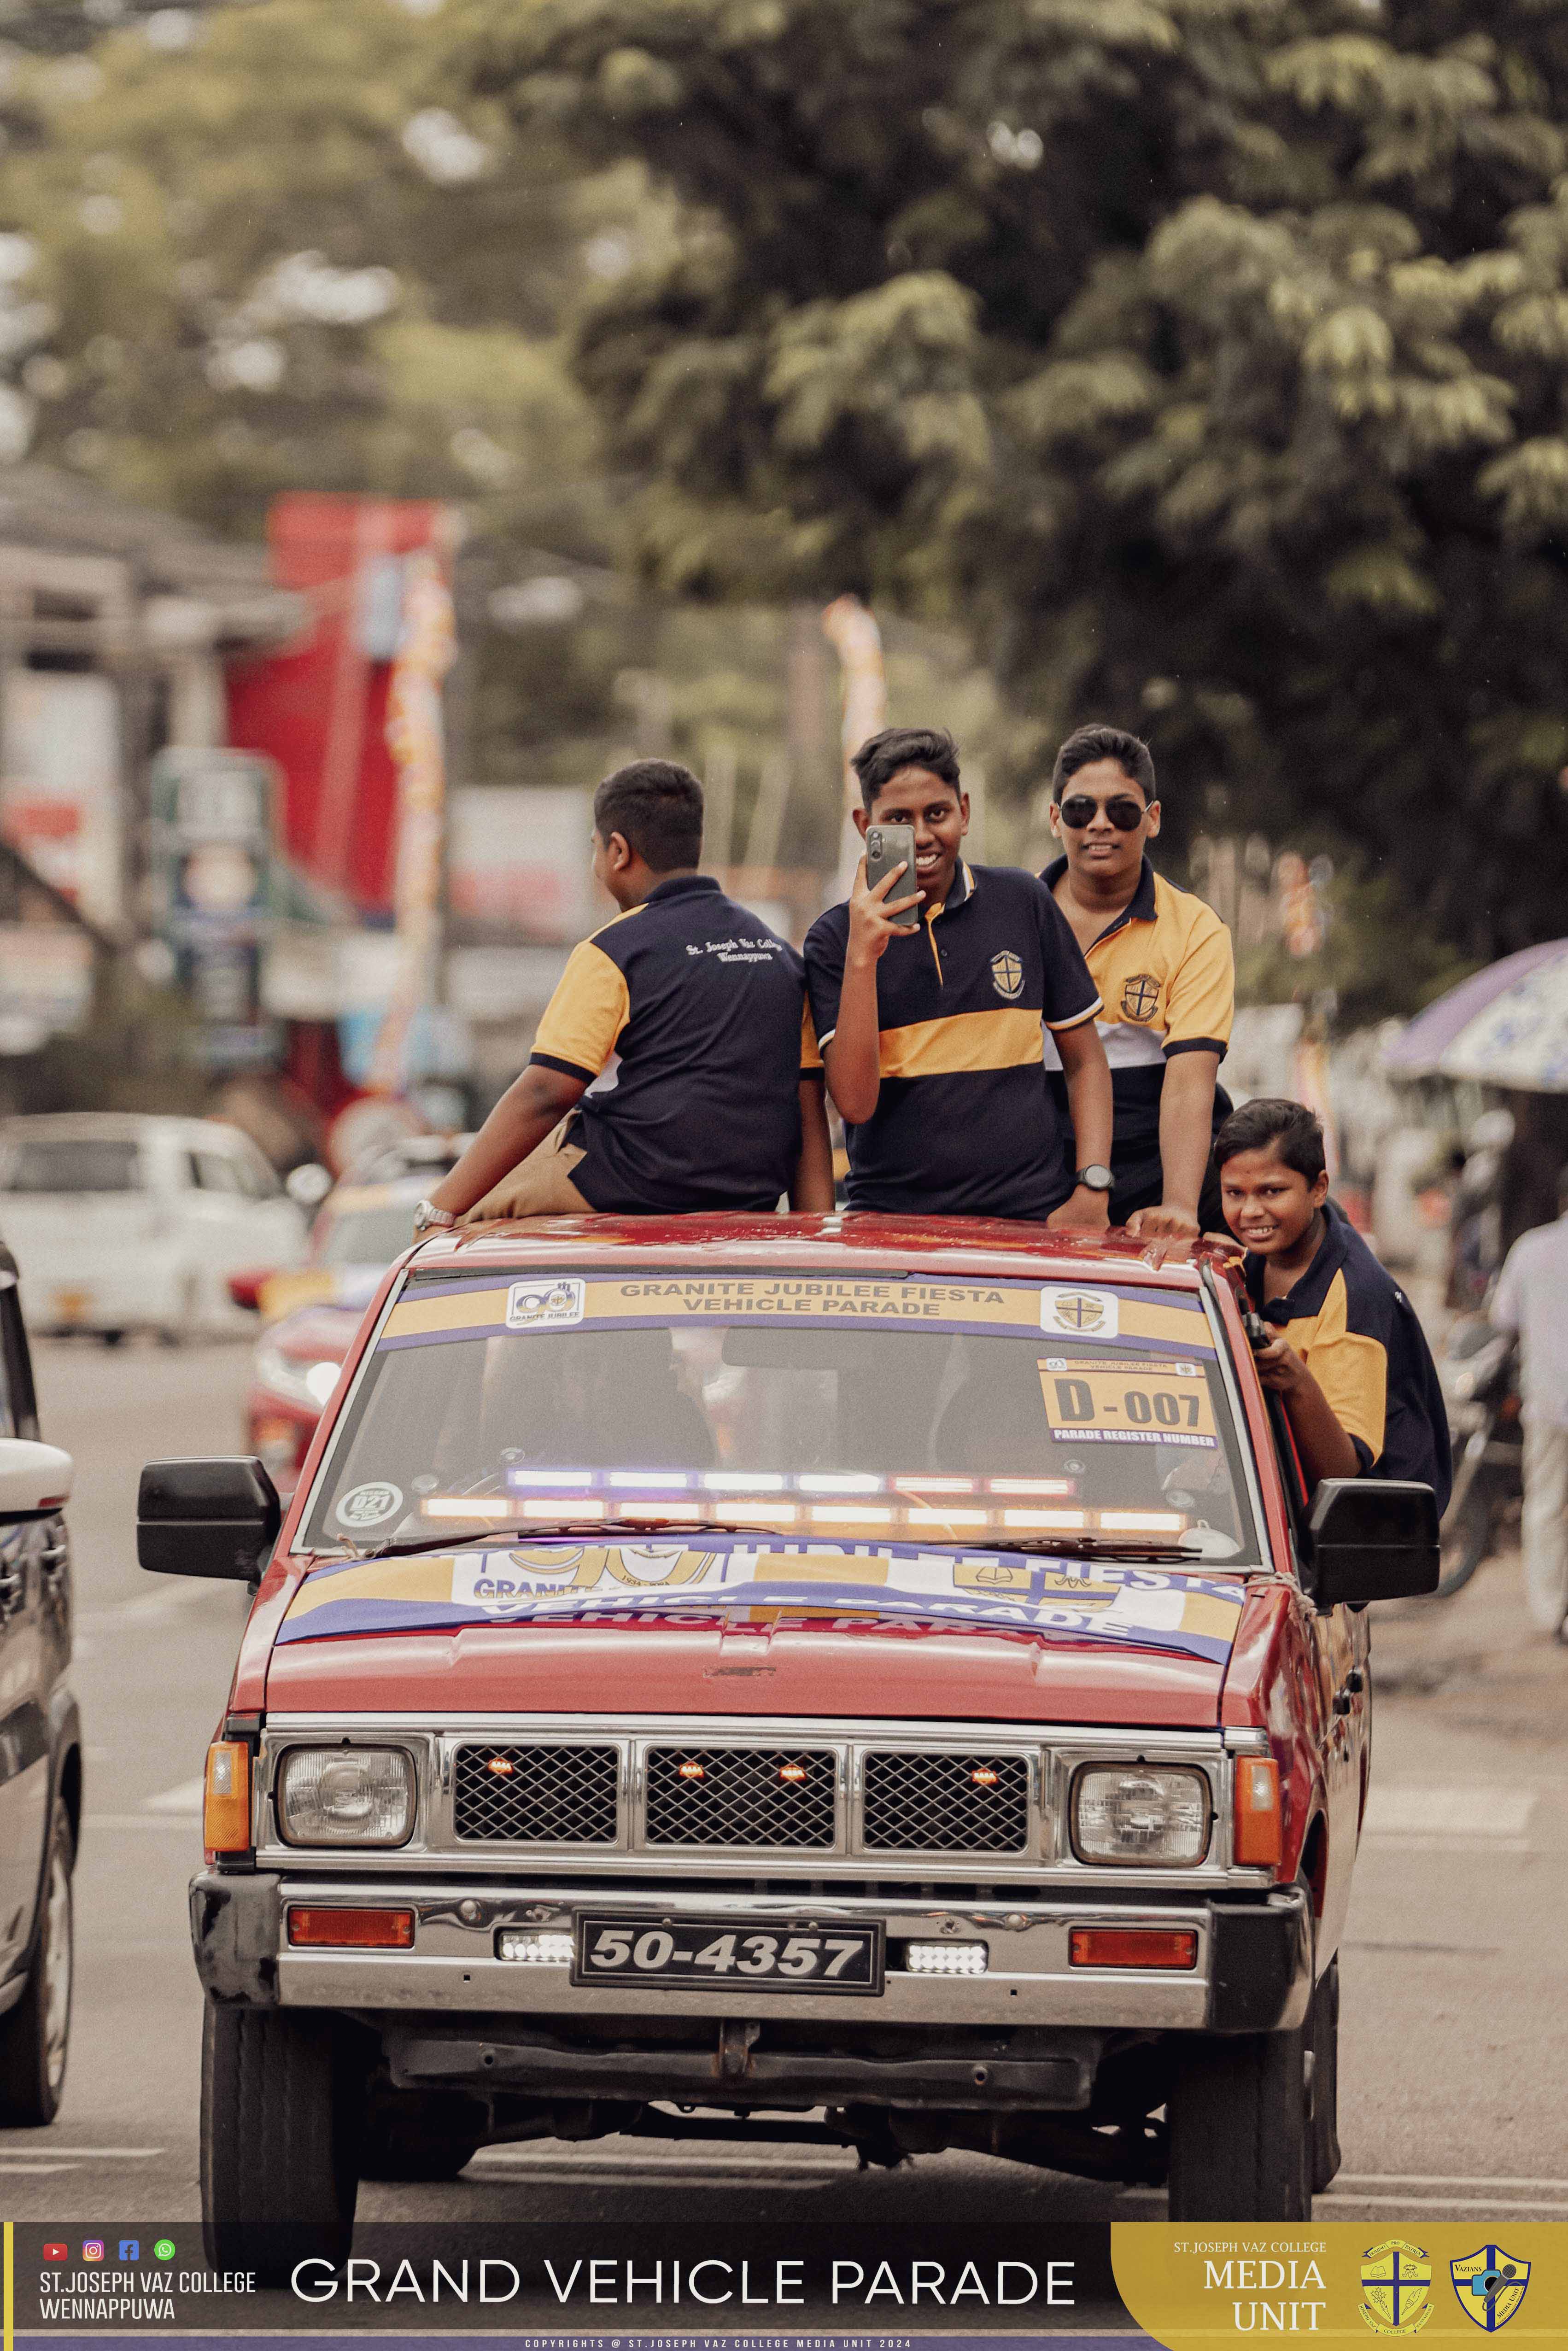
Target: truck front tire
point(282, 2110)
point(1240, 2135)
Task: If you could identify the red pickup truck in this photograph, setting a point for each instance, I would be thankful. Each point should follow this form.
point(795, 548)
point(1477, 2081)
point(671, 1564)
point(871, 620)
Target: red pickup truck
point(877, 1677)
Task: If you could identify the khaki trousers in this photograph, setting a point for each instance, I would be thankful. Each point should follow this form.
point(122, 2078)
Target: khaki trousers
point(1543, 1523)
point(540, 1186)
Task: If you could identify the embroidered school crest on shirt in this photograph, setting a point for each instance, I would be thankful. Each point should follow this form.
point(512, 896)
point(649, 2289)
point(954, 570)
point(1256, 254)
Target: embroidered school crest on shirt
point(1006, 971)
point(1140, 997)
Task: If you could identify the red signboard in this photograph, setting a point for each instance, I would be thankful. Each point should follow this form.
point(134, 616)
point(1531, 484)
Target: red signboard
point(318, 706)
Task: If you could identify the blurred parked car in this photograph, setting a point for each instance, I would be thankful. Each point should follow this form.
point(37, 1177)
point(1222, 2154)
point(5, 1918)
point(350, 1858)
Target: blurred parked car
point(40, 1742)
point(311, 1315)
point(124, 1222)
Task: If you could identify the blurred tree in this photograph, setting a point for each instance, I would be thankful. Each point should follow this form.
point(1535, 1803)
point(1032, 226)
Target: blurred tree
point(1205, 357)
point(251, 250)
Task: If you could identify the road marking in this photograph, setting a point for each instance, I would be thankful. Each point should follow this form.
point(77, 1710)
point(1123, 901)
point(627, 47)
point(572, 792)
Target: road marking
point(177, 1591)
point(1443, 2179)
point(1451, 2203)
point(136, 1821)
point(1493, 1814)
point(185, 1797)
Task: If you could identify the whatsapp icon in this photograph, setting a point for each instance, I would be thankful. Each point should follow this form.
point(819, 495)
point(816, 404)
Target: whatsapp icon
point(163, 2250)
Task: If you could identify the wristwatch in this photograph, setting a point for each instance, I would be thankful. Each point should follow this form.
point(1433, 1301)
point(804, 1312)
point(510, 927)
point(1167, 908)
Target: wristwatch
point(426, 1214)
point(1094, 1178)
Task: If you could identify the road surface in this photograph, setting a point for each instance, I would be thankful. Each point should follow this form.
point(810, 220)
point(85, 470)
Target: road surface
point(1451, 2062)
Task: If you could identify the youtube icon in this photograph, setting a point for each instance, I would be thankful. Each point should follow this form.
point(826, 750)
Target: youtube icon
point(56, 2253)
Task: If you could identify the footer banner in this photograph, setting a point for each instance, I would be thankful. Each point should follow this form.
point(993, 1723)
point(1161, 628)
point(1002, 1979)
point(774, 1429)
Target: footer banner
point(602, 2287)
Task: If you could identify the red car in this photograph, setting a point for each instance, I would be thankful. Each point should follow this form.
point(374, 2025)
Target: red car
point(880, 1669)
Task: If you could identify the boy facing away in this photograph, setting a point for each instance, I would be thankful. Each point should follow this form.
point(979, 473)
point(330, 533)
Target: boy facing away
point(718, 1099)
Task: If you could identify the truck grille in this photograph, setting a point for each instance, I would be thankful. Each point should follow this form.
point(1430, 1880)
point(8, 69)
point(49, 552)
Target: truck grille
point(741, 1796)
point(536, 1795)
point(946, 1803)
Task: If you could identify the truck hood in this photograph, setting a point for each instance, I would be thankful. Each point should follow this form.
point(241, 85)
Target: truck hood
point(758, 1625)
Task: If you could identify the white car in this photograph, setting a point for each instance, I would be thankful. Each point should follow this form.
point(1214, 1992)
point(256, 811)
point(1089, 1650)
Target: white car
point(122, 1222)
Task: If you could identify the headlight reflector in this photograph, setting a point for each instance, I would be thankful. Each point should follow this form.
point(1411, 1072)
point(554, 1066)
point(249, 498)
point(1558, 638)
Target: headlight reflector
point(1144, 1815)
point(346, 1795)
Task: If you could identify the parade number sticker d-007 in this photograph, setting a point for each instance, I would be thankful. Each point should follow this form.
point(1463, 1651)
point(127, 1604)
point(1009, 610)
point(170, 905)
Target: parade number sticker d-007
point(1140, 1401)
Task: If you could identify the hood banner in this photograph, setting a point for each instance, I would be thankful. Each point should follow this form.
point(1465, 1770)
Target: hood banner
point(1120, 1606)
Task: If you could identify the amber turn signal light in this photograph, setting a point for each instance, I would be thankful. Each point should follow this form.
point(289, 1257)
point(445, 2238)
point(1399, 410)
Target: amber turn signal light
point(1132, 1946)
point(351, 1930)
point(1260, 1831)
point(226, 1801)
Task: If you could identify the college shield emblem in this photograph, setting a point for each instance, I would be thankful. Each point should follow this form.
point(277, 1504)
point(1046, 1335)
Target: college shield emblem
point(1490, 2285)
point(1140, 997)
point(1395, 2288)
point(1007, 970)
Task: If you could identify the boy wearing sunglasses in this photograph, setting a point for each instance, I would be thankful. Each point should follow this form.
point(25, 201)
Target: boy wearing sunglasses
point(1161, 960)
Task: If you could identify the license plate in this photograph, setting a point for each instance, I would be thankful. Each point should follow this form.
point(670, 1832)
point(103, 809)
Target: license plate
point(737, 1952)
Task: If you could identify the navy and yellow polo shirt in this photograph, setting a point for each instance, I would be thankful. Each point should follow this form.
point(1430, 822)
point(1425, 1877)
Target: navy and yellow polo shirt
point(1168, 979)
point(964, 1124)
point(706, 1007)
point(1358, 1336)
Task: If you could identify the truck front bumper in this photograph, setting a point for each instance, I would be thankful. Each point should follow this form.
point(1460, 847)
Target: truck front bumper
point(1253, 1969)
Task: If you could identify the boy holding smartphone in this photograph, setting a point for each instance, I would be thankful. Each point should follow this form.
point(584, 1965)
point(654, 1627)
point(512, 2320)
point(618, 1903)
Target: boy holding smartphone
point(932, 1038)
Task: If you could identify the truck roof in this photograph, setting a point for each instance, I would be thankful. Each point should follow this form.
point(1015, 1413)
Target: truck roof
point(854, 1240)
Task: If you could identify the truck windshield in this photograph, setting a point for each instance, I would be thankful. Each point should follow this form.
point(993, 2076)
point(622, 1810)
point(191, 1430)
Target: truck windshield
point(822, 1407)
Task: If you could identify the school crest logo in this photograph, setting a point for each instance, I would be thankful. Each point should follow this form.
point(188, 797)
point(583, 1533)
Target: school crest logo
point(1490, 2285)
point(1006, 971)
point(1084, 1313)
point(1395, 2287)
point(1140, 997)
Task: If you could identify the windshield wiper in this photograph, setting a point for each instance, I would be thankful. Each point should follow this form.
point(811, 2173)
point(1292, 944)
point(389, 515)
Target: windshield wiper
point(1098, 1547)
point(535, 1530)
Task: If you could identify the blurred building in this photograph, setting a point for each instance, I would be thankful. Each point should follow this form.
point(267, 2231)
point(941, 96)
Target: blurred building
point(117, 625)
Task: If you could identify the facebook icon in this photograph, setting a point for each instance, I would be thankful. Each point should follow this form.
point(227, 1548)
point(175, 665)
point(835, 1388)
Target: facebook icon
point(131, 2248)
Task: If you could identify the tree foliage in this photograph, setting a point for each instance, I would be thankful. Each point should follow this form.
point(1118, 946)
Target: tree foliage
point(1205, 357)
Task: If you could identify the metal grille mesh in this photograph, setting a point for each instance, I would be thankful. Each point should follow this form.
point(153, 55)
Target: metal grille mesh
point(947, 1804)
point(746, 1796)
point(536, 1795)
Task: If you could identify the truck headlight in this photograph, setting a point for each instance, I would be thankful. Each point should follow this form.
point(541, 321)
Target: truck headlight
point(1150, 1816)
point(346, 1795)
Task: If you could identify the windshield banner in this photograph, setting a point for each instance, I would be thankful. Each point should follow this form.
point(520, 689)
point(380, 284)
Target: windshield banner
point(1122, 1606)
point(548, 1302)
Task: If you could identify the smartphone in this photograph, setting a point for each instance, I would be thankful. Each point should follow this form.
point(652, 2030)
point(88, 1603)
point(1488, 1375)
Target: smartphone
point(887, 845)
point(1258, 1333)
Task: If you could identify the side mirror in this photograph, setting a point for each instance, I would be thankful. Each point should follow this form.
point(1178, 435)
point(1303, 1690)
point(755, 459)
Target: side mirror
point(35, 1480)
point(1372, 1538)
point(308, 1185)
point(214, 1516)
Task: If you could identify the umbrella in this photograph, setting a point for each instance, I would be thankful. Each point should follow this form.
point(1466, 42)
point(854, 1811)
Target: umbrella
point(1507, 1026)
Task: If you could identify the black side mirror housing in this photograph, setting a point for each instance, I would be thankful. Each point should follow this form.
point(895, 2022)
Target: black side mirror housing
point(1372, 1538)
point(217, 1515)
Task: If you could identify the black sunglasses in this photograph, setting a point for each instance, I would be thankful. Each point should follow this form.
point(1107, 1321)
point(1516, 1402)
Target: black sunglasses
point(1080, 811)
